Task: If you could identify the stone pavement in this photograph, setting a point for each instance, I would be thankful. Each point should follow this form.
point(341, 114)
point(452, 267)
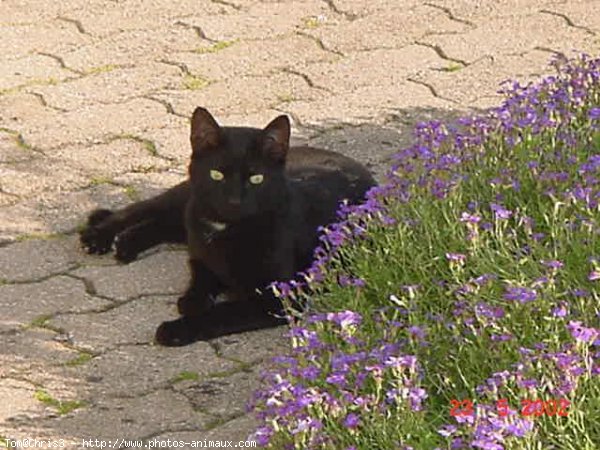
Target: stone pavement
point(94, 104)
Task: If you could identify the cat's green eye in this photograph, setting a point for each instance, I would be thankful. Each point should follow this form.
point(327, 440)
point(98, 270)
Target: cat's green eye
point(216, 175)
point(257, 179)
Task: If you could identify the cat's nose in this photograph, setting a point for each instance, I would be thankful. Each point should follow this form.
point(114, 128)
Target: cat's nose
point(235, 202)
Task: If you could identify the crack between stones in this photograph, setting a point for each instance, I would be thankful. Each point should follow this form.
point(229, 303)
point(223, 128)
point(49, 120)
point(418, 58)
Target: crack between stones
point(75, 22)
point(20, 141)
point(567, 20)
point(44, 103)
point(73, 266)
point(181, 66)
point(62, 64)
point(450, 14)
point(10, 194)
point(167, 105)
point(307, 79)
point(333, 7)
point(549, 50)
point(197, 29)
point(227, 3)
point(441, 53)
point(319, 43)
point(431, 89)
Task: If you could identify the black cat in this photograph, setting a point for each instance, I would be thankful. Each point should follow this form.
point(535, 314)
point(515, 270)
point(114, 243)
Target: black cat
point(249, 214)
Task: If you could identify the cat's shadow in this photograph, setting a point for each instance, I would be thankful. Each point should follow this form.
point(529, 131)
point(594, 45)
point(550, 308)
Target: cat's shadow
point(374, 142)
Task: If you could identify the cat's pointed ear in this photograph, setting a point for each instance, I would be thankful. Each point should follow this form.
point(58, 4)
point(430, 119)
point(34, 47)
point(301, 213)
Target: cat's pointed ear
point(205, 131)
point(276, 138)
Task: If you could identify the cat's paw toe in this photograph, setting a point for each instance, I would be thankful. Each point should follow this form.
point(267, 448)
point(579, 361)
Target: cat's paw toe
point(95, 241)
point(176, 333)
point(125, 251)
point(189, 305)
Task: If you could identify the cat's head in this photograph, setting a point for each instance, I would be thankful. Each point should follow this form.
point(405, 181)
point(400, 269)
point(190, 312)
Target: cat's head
point(237, 172)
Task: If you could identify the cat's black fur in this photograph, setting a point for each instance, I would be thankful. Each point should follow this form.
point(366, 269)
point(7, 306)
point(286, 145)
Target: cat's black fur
point(241, 235)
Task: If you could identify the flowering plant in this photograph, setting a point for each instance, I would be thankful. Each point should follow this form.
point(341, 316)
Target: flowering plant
point(471, 273)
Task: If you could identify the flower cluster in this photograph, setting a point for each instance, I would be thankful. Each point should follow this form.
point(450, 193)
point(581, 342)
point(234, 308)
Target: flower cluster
point(346, 386)
point(483, 243)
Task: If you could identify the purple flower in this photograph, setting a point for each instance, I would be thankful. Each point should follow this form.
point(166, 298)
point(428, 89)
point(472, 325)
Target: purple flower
point(345, 318)
point(594, 275)
point(472, 219)
point(456, 257)
point(338, 379)
point(520, 294)
point(500, 212)
point(351, 421)
point(447, 430)
point(594, 113)
point(416, 397)
point(560, 310)
point(417, 332)
point(581, 333)
point(263, 435)
point(554, 264)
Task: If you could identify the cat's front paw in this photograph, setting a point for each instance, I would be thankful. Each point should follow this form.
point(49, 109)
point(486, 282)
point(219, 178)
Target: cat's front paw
point(192, 304)
point(94, 237)
point(176, 333)
point(126, 249)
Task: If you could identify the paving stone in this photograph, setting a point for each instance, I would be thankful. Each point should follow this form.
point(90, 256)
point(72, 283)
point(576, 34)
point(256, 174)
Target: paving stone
point(101, 331)
point(386, 28)
point(135, 370)
point(106, 161)
point(258, 57)
point(110, 84)
point(357, 70)
point(39, 37)
point(31, 11)
point(131, 418)
point(579, 13)
point(30, 303)
point(253, 346)
point(34, 259)
point(30, 70)
point(239, 429)
point(18, 400)
point(479, 12)
point(10, 151)
point(225, 397)
point(57, 212)
point(352, 140)
point(364, 104)
point(96, 124)
point(17, 106)
point(38, 175)
point(131, 47)
point(364, 8)
point(109, 18)
point(146, 185)
point(244, 95)
point(485, 76)
point(159, 273)
point(173, 141)
point(250, 23)
point(509, 35)
point(22, 349)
